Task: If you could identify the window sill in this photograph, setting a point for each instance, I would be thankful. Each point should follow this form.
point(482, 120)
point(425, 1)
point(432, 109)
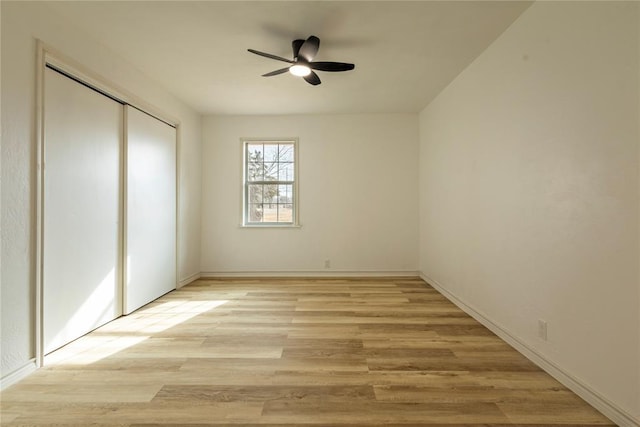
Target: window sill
point(270, 226)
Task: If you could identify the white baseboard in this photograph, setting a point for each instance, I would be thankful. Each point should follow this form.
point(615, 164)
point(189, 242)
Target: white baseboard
point(18, 374)
point(186, 281)
point(310, 273)
point(595, 399)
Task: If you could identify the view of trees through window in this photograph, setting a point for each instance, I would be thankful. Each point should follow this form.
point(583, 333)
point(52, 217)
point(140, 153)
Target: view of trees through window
point(269, 182)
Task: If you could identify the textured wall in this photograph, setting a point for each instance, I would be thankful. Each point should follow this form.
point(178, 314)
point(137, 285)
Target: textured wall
point(529, 190)
point(358, 186)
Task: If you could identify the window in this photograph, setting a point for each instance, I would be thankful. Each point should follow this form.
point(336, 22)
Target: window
point(270, 190)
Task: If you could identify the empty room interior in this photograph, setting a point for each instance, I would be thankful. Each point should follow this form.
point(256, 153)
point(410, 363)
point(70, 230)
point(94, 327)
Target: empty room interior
point(328, 213)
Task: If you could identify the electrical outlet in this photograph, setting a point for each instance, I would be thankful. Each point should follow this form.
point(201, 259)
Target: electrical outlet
point(542, 329)
point(327, 263)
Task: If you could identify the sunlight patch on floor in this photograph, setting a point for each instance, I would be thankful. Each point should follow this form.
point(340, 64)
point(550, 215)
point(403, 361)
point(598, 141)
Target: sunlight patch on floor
point(91, 348)
point(128, 331)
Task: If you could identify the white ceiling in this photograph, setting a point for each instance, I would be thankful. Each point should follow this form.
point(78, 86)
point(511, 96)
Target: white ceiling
point(405, 52)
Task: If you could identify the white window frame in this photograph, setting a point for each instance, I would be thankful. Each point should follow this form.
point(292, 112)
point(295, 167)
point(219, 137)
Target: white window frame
point(245, 183)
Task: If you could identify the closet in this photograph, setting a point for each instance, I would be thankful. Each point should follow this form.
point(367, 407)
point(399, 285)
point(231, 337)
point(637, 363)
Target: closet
point(108, 209)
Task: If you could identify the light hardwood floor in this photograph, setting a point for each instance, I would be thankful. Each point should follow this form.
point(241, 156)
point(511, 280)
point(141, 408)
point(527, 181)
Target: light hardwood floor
point(294, 352)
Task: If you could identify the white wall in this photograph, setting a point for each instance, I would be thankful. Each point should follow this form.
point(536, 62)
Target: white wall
point(358, 186)
point(529, 190)
point(22, 23)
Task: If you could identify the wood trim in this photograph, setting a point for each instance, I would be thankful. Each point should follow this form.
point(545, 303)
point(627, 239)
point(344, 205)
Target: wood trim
point(39, 162)
point(335, 274)
point(19, 374)
point(189, 279)
point(124, 177)
point(178, 148)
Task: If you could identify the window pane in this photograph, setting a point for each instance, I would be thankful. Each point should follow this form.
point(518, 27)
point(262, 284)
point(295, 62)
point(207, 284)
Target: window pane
point(269, 194)
point(285, 213)
point(270, 171)
point(270, 213)
point(255, 150)
point(255, 164)
point(255, 212)
point(271, 152)
point(284, 193)
point(255, 193)
point(286, 153)
point(285, 172)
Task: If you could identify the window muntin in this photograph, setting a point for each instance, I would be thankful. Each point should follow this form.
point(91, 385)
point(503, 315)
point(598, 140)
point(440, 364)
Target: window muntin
point(270, 182)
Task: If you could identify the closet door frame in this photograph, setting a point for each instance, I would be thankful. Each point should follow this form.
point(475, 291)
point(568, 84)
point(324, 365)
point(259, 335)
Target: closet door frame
point(47, 56)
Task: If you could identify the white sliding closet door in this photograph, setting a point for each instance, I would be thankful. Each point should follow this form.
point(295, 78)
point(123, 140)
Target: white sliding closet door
point(151, 209)
point(81, 211)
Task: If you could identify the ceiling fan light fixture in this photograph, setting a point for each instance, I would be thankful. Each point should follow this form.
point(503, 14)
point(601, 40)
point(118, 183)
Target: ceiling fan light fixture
point(299, 70)
point(302, 64)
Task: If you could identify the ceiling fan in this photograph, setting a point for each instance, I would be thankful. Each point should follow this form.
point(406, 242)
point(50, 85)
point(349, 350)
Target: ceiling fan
point(302, 64)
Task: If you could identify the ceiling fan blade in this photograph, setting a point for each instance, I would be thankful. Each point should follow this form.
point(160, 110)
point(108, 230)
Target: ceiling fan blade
point(331, 66)
point(296, 44)
point(309, 48)
point(268, 55)
point(276, 72)
point(312, 78)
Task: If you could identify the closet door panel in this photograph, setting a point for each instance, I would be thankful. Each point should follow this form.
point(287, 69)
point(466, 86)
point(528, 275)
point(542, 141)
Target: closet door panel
point(151, 209)
point(82, 146)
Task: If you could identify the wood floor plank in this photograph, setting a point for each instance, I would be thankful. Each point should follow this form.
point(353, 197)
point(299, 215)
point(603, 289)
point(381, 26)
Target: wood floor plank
point(470, 394)
point(276, 352)
point(206, 394)
point(88, 392)
point(534, 411)
point(367, 424)
point(360, 412)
